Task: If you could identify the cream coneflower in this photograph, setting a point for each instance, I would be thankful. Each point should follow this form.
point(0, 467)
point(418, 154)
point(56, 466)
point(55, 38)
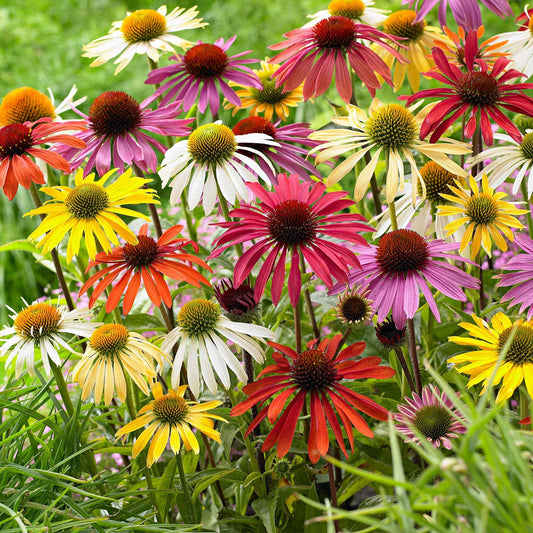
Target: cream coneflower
point(39, 327)
point(358, 10)
point(113, 350)
point(169, 417)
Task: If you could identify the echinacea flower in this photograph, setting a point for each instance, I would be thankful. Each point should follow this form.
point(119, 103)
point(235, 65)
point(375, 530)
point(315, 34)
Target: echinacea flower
point(40, 326)
point(487, 217)
point(510, 341)
point(169, 418)
point(287, 155)
point(201, 332)
point(357, 10)
point(478, 91)
point(20, 141)
point(314, 377)
point(392, 131)
point(388, 335)
point(269, 99)
point(238, 302)
point(27, 104)
point(90, 210)
point(290, 221)
point(466, 13)
point(311, 55)
point(403, 264)
point(116, 133)
point(214, 160)
point(145, 31)
point(354, 306)
point(519, 271)
point(148, 262)
point(194, 76)
point(433, 415)
point(414, 44)
point(112, 353)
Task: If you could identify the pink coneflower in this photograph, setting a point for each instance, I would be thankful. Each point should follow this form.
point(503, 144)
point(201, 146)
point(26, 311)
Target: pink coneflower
point(194, 76)
point(433, 415)
point(522, 277)
point(312, 54)
point(116, 136)
point(466, 13)
point(401, 266)
point(20, 141)
point(476, 91)
point(288, 223)
point(288, 156)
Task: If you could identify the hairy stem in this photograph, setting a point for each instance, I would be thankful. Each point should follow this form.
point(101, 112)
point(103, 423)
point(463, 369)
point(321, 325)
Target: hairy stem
point(413, 355)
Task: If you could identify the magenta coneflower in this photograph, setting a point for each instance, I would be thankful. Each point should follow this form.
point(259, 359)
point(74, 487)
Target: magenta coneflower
point(194, 76)
point(401, 266)
point(522, 277)
point(312, 54)
point(288, 156)
point(287, 223)
point(116, 136)
point(433, 415)
point(476, 91)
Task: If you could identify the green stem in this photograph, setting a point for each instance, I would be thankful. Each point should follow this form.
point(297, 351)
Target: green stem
point(482, 301)
point(333, 491)
point(405, 368)
point(525, 196)
point(153, 497)
point(193, 234)
point(393, 219)
point(185, 487)
point(413, 355)
point(525, 405)
point(151, 207)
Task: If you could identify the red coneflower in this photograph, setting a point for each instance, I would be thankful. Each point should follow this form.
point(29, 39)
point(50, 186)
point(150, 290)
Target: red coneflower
point(316, 374)
point(147, 261)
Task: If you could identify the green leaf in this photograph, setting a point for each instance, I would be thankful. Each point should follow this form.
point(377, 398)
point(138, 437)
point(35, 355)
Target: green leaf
point(349, 487)
point(266, 510)
point(200, 487)
point(165, 500)
point(20, 244)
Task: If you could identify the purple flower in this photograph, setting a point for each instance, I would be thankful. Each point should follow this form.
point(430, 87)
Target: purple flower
point(198, 71)
point(115, 134)
point(401, 266)
point(433, 415)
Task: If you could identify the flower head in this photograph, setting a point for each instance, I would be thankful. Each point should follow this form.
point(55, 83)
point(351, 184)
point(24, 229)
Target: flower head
point(433, 415)
point(91, 210)
point(194, 76)
point(116, 133)
point(202, 331)
point(315, 375)
point(354, 306)
point(20, 141)
point(112, 351)
point(214, 159)
point(311, 55)
point(391, 130)
point(148, 262)
point(389, 335)
point(40, 326)
point(169, 418)
point(519, 44)
point(290, 221)
point(402, 265)
point(513, 342)
point(358, 10)
point(238, 302)
point(487, 217)
point(145, 31)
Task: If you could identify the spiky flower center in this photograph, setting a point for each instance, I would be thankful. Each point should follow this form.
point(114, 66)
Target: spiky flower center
point(254, 125)
point(334, 33)
point(235, 300)
point(433, 421)
point(141, 254)
point(392, 126)
point(211, 144)
point(143, 25)
point(23, 104)
point(205, 60)
point(114, 113)
point(269, 94)
point(292, 223)
point(354, 307)
point(530, 25)
point(388, 334)
point(15, 139)
point(527, 146)
point(87, 200)
point(198, 316)
point(437, 180)
point(402, 250)
point(478, 89)
point(313, 370)
point(351, 9)
point(170, 409)
point(520, 350)
point(37, 320)
point(402, 24)
point(109, 340)
point(482, 209)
